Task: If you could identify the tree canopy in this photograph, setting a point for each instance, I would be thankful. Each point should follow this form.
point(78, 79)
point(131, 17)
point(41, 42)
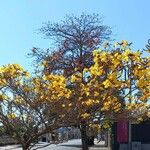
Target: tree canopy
point(116, 86)
point(73, 41)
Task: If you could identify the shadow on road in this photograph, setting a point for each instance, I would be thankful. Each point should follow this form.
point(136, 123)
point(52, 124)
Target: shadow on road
point(77, 146)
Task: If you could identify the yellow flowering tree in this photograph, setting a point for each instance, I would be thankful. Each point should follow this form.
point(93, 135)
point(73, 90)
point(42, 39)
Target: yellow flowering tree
point(116, 85)
point(30, 106)
point(117, 82)
point(125, 73)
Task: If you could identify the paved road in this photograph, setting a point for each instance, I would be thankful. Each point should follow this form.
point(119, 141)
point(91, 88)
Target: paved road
point(70, 145)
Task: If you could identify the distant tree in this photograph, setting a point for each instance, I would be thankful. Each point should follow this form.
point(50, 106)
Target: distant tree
point(74, 39)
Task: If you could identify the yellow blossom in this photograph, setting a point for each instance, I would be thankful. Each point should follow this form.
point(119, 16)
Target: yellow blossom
point(11, 116)
point(85, 115)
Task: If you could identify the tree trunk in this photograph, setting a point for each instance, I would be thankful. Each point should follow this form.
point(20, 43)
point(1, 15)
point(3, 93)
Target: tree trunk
point(25, 147)
point(90, 141)
point(84, 137)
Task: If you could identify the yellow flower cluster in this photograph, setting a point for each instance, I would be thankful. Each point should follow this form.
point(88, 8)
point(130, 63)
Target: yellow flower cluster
point(11, 70)
point(2, 97)
point(97, 87)
point(11, 116)
point(51, 87)
point(85, 115)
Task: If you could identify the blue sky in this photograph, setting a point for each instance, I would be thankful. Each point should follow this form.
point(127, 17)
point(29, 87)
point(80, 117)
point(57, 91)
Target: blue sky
point(19, 21)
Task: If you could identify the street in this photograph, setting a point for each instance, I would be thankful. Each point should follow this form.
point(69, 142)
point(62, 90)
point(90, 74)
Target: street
point(70, 145)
